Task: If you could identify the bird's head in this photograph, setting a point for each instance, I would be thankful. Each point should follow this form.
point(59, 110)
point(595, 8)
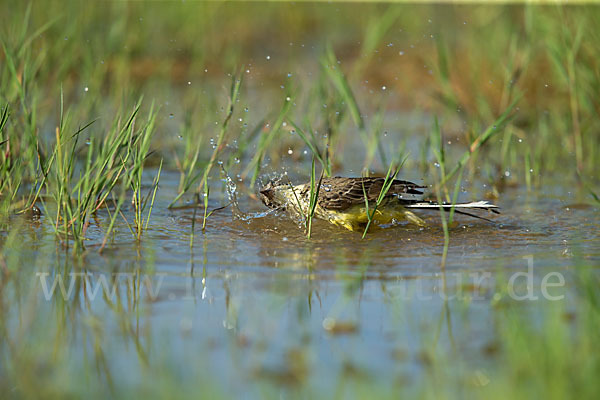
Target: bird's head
point(270, 195)
point(267, 195)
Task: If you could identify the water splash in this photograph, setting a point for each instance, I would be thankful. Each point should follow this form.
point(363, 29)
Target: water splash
point(231, 190)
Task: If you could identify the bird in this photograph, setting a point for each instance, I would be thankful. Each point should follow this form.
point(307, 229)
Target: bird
point(343, 201)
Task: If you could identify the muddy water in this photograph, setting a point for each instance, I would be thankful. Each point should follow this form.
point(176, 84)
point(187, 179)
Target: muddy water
point(253, 304)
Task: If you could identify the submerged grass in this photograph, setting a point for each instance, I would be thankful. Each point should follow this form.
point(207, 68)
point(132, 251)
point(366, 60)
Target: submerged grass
point(315, 187)
point(387, 184)
point(441, 191)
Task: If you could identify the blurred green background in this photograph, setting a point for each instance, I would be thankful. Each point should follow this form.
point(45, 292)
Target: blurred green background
point(463, 63)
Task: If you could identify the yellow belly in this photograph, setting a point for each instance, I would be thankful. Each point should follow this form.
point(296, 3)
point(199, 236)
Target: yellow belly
point(356, 219)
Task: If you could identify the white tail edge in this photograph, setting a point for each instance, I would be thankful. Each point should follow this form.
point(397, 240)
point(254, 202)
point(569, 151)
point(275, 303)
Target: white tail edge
point(475, 204)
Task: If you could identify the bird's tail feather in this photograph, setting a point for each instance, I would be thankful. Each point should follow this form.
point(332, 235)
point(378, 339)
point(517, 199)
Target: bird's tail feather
point(458, 208)
point(483, 205)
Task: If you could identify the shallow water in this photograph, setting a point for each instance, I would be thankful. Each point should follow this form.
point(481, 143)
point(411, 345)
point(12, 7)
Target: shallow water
point(254, 306)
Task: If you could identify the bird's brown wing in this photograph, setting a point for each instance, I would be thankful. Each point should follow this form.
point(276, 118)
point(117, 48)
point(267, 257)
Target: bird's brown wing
point(342, 193)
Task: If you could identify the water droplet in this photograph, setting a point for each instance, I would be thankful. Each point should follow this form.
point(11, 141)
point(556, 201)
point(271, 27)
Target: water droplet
point(189, 82)
point(383, 88)
point(179, 137)
point(171, 116)
point(288, 98)
point(520, 140)
point(401, 53)
point(507, 173)
point(86, 89)
point(290, 151)
point(437, 165)
point(246, 109)
point(268, 57)
point(239, 119)
point(284, 124)
point(236, 160)
point(289, 75)
point(531, 170)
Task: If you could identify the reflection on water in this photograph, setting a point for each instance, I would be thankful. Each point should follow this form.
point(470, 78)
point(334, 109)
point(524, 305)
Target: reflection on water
point(253, 306)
